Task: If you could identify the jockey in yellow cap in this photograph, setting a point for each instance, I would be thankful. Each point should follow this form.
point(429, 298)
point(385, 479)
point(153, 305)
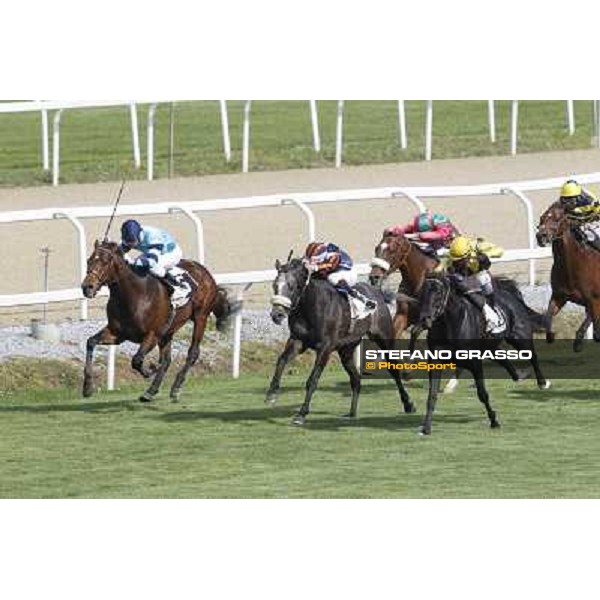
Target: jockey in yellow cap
point(583, 210)
point(469, 263)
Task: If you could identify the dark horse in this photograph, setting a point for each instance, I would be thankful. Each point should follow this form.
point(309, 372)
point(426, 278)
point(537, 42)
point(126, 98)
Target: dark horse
point(319, 318)
point(139, 310)
point(454, 323)
point(575, 275)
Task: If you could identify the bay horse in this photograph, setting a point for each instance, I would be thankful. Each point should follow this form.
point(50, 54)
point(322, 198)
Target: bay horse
point(139, 310)
point(319, 318)
point(453, 322)
point(575, 274)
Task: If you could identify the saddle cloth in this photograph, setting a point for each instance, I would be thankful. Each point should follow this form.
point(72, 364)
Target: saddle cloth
point(590, 233)
point(358, 309)
point(180, 297)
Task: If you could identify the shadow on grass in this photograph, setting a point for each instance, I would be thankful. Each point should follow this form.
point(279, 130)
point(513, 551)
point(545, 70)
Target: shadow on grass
point(591, 394)
point(98, 407)
point(317, 420)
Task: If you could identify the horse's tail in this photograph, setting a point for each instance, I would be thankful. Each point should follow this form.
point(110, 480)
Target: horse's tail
point(539, 322)
point(225, 308)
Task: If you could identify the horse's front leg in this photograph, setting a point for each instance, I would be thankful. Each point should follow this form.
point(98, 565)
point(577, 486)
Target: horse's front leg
point(554, 307)
point(164, 362)
point(137, 362)
point(483, 395)
point(321, 360)
point(106, 337)
point(435, 378)
point(293, 347)
point(401, 319)
point(580, 334)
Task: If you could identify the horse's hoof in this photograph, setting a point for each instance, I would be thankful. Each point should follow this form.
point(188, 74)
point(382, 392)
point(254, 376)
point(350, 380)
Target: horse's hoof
point(410, 408)
point(174, 397)
point(299, 420)
point(495, 425)
point(422, 431)
point(546, 385)
point(146, 397)
point(550, 337)
point(349, 416)
point(87, 392)
point(271, 399)
point(577, 345)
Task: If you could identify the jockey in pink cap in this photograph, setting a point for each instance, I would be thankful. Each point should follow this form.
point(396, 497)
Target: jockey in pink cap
point(434, 229)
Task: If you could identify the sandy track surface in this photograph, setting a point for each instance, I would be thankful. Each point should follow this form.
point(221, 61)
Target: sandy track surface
point(253, 238)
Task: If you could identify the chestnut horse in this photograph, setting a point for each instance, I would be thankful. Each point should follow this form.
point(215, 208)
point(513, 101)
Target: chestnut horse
point(575, 275)
point(395, 252)
point(139, 310)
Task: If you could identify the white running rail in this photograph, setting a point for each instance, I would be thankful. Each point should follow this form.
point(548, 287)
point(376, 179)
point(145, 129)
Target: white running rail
point(194, 209)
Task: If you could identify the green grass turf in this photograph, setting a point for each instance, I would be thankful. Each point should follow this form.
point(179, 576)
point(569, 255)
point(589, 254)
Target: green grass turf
point(221, 440)
point(96, 143)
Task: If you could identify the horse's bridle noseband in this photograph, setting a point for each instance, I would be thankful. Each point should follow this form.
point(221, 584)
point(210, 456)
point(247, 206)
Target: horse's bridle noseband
point(285, 302)
point(380, 262)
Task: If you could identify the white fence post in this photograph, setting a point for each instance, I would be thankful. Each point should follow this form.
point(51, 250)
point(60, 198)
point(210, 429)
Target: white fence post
point(82, 254)
point(492, 120)
point(45, 150)
point(339, 134)
point(135, 135)
point(428, 128)
point(570, 116)
point(408, 195)
point(314, 119)
point(56, 147)
point(402, 125)
point(246, 140)
point(150, 141)
point(530, 228)
point(110, 368)
point(310, 217)
point(198, 228)
point(237, 333)
point(225, 129)
point(514, 124)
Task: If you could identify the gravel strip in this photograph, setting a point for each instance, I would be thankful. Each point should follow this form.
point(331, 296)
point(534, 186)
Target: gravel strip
point(256, 326)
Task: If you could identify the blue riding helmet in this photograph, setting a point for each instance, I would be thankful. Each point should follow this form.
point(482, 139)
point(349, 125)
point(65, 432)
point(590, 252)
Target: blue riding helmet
point(130, 232)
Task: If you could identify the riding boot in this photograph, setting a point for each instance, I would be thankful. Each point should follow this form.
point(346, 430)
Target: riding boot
point(493, 323)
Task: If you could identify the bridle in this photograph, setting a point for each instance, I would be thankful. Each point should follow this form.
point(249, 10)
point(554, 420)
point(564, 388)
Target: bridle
point(100, 274)
point(382, 263)
point(285, 302)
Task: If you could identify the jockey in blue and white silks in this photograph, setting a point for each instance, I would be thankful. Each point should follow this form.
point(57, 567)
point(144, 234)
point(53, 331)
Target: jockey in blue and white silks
point(160, 253)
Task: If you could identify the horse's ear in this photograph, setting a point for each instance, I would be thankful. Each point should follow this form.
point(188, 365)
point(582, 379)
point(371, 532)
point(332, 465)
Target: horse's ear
point(96, 244)
point(290, 255)
point(277, 264)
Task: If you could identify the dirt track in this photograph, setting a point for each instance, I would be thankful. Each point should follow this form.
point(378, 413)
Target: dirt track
point(253, 238)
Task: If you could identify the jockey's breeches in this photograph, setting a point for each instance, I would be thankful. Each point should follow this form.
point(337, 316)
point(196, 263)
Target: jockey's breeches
point(159, 264)
point(350, 276)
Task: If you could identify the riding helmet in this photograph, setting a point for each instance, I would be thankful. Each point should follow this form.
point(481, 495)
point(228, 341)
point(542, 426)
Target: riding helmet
point(130, 231)
point(460, 248)
point(571, 189)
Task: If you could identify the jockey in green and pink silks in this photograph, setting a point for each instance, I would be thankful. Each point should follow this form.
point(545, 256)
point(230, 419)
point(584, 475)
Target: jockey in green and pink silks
point(434, 229)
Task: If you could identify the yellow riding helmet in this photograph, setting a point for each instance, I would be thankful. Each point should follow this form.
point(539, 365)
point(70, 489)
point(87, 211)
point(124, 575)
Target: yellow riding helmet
point(571, 189)
point(460, 248)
